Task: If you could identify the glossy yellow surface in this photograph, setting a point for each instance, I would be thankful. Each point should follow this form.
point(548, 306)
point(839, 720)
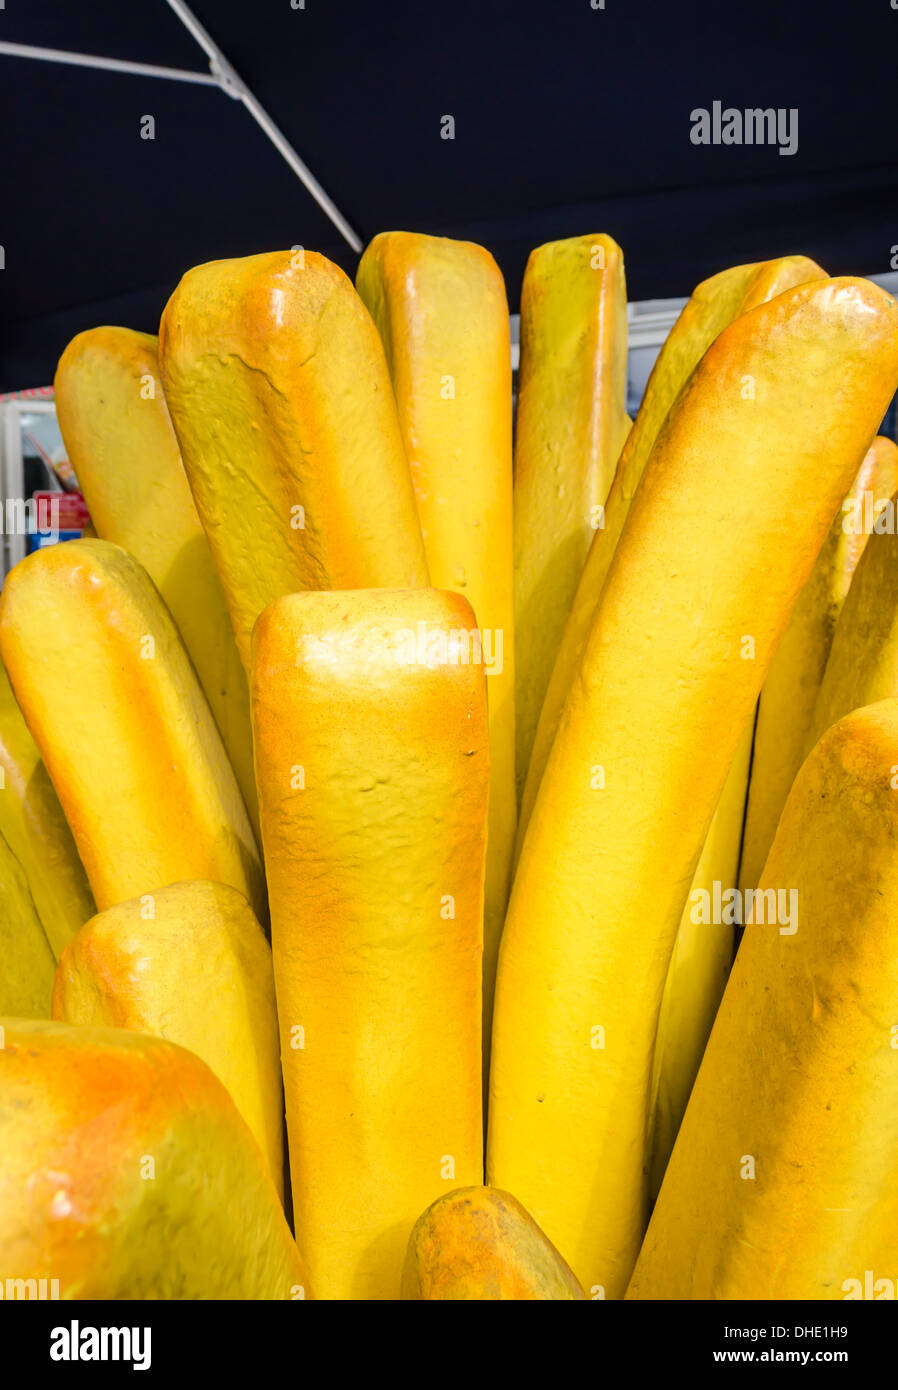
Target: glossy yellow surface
point(189, 963)
point(372, 760)
point(790, 395)
point(281, 400)
point(441, 311)
point(863, 658)
point(793, 681)
point(120, 441)
point(698, 970)
point(571, 422)
point(34, 826)
point(479, 1244)
point(126, 1172)
point(714, 304)
point(26, 959)
point(124, 729)
point(782, 1182)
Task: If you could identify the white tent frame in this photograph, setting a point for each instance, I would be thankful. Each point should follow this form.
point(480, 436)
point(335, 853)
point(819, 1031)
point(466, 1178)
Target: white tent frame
point(220, 75)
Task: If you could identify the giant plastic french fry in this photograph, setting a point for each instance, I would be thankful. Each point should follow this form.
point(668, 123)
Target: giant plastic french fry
point(441, 311)
point(34, 826)
point(26, 960)
point(782, 1181)
point(478, 1244)
point(790, 395)
point(714, 304)
point(372, 760)
point(863, 657)
point(281, 400)
point(790, 691)
point(189, 963)
point(701, 959)
point(123, 727)
point(126, 1172)
point(698, 970)
point(119, 438)
point(571, 422)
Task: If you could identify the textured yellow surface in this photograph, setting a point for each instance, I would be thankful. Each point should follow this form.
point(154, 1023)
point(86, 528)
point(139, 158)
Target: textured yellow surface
point(373, 777)
point(191, 964)
point(782, 1182)
point(26, 960)
point(34, 826)
point(117, 712)
point(479, 1244)
point(571, 422)
point(441, 311)
point(714, 304)
point(120, 441)
point(698, 970)
point(281, 400)
point(127, 1173)
point(863, 659)
point(793, 681)
point(790, 395)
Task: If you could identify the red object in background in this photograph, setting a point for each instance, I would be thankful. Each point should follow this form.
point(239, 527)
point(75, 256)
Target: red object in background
point(72, 514)
point(31, 393)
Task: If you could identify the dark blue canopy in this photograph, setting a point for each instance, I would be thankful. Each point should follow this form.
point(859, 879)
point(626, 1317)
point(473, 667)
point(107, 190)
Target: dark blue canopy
point(568, 119)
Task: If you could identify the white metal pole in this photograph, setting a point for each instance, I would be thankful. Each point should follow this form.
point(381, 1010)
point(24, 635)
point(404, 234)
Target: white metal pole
point(236, 87)
point(221, 75)
point(93, 60)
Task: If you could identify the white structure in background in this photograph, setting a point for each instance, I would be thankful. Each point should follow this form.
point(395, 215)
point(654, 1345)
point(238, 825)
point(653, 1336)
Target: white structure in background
point(17, 415)
point(649, 322)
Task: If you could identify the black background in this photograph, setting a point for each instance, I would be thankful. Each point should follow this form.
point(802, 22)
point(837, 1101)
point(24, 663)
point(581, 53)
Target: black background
point(568, 120)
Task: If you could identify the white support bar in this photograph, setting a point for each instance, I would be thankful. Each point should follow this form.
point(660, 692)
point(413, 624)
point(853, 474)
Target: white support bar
point(218, 63)
point(92, 60)
point(302, 172)
point(236, 87)
point(220, 75)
